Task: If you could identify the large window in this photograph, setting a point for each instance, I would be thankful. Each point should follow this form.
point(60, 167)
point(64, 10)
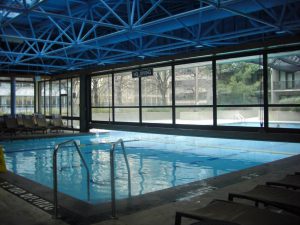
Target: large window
point(157, 96)
point(41, 98)
point(75, 96)
point(101, 97)
point(5, 95)
point(63, 97)
point(284, 89)
point(47, 95)
point(126, 97)
point(24, 96)
point(55, 97)
point(194, 96)
point(60, 97)
point(225, 90)
point(240, 91)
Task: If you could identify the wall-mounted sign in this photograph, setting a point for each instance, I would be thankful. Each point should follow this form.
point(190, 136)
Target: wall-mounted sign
point(142, 72)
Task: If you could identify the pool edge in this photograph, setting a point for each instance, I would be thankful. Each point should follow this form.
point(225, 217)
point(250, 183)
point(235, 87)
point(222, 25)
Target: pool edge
point(82, 211)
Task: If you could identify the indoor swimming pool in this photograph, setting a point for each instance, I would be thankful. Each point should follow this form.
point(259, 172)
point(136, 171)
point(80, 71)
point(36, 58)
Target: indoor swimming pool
point(156, 161)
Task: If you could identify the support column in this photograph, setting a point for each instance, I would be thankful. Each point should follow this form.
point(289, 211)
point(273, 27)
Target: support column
point(173, 96)
point(214, 83)
point(84, 103)
point(113, 97)
point(37, 100)
point(13, 96)
point(140, 101)
point(265, 83)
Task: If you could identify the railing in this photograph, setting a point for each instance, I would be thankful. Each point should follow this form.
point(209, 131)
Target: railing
point(57, 147)
point(112, 175)
point(239, 117)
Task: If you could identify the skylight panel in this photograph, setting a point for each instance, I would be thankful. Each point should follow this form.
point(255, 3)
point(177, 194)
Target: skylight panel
point(18, 4)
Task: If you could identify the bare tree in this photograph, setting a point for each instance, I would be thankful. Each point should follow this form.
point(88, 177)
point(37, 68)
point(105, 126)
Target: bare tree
point(163, 84)
point(125, 86)
point(100, 90)
point(94, 90)
point(157, 86)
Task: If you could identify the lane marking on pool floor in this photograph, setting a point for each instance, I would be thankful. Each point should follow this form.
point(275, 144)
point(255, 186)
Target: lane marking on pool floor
point(29, 197)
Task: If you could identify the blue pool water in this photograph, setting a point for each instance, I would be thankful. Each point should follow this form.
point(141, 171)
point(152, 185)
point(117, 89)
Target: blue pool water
point(156, 161)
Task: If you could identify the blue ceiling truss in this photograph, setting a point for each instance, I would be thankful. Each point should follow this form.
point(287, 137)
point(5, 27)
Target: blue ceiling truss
point(54, 36)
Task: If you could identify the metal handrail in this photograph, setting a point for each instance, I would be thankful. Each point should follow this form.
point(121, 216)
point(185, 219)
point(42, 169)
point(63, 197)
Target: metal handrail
point(57, 147)
point(112, 175)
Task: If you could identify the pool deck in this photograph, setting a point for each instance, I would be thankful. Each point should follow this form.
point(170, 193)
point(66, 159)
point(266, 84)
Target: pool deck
point(14, 210)
point(20, 136)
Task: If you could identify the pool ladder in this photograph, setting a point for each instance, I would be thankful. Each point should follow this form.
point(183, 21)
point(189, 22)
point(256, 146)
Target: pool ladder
point(57, 147)
point(112, 173)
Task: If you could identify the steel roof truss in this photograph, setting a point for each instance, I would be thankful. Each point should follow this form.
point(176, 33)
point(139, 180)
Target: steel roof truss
point(114, 13)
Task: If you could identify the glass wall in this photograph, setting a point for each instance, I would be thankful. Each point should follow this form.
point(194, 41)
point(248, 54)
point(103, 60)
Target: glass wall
point(194, 96)
point(5, 99)
point(157, 96)
point(63, 97)
point(126, 97)
point(46, 96)
point(284, 89)
point(220, 91)
point(54, 107)
point(41, 97)
point(240, 91)
point(60, 97)
point(75, 89)
point(101, 98)
point(24, 96)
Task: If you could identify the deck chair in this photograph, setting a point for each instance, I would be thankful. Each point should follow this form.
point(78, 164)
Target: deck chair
point(57, 123)
point(288, 200)
point(41, 122)
point(220, 212)
point(29, 124)
point(289, 181)
point(2, 125)
point(20, 121)
point(11, 124)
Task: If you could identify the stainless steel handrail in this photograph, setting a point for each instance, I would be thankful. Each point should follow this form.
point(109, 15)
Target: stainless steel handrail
point(57, 147)
point(112, 174)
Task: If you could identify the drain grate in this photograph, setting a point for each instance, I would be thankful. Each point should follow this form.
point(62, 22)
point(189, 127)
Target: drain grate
point(28, 197)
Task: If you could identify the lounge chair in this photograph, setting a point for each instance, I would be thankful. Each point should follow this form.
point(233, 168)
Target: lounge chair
point(220, 212)
point(290, 181)
point(41, 122)
point(29, 124)
point(12, 125)
point(288, 200)
point(57, 123)
point(2, 125)
point(20, 121)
